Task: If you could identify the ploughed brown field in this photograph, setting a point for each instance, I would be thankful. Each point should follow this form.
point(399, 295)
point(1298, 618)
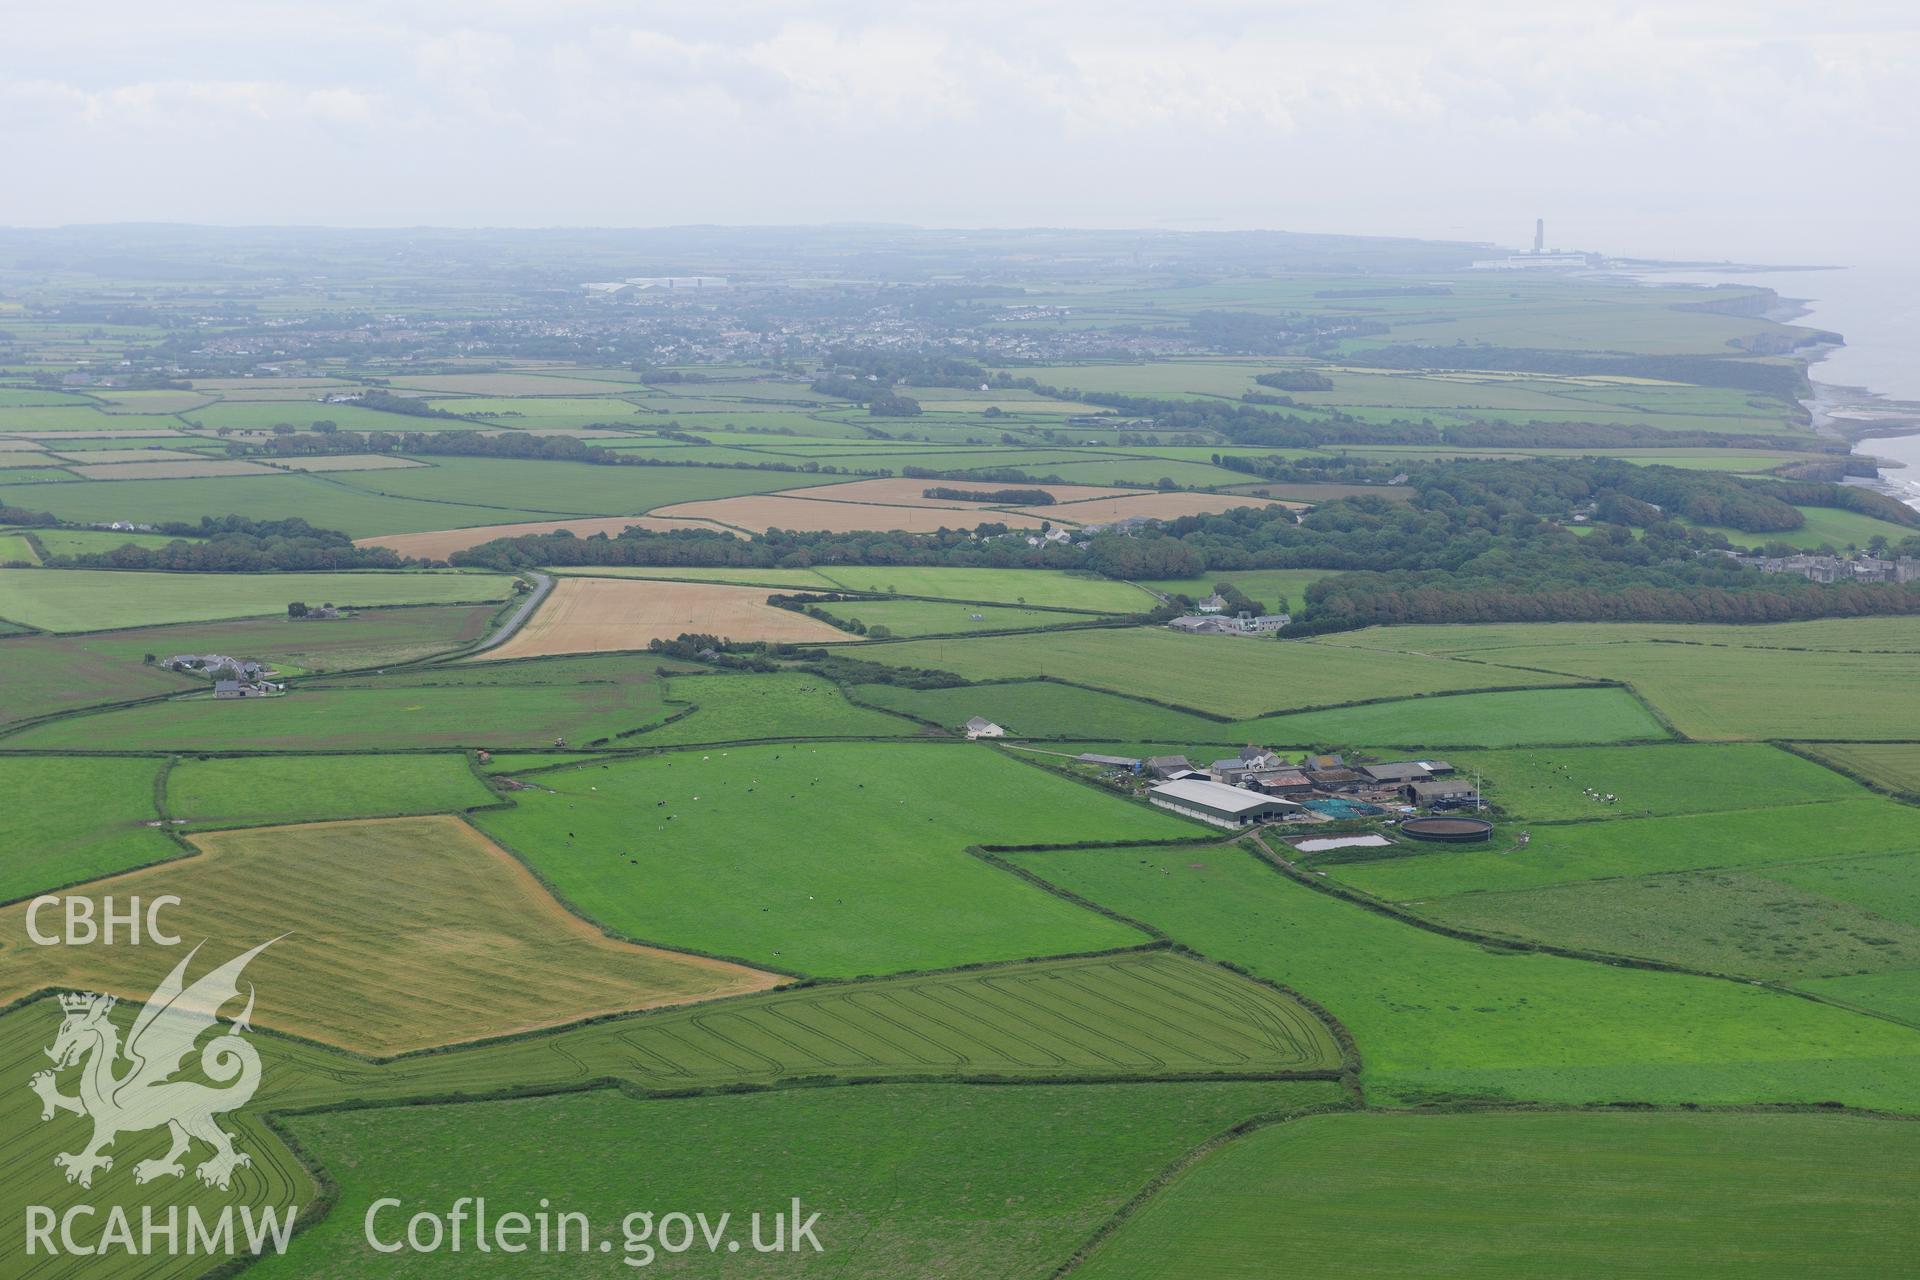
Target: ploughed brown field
point(907, 492)
point(594, 615)
point(809, 515)
point(403, 934)
point(438, 544)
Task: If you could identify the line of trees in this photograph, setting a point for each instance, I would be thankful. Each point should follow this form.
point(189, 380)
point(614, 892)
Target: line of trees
point(236, 544)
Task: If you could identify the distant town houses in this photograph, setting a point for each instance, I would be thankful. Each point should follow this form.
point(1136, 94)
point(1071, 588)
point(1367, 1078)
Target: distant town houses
point(1819, 568)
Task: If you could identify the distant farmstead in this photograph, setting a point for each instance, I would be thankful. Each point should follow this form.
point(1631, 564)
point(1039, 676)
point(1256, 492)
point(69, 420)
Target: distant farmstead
point(1212, 623)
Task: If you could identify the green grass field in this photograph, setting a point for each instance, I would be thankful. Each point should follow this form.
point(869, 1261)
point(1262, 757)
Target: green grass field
point(1886, 884)
point(994, 586)
point(260, 789)
point(738, 708)
point(566, 488)
point(931, 617)
point(909, 1180)
point(1565, 853)
point(1846, 635)
point(75, 542)
point(1221, 674)
point(1725, 922)
point(65, 819)
point(834, 860)
point(1486, 1196)
point(99, 599)
point(1440, 1018)
point(1472, 720)
point(324, 503)
point(417, 709)
point(1718, 682)
point(1825, 526)
point(40, 675)
point(1554, 784)
point(1046, 710)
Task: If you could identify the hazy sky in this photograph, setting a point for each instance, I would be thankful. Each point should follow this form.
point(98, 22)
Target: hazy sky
point(1754, 128)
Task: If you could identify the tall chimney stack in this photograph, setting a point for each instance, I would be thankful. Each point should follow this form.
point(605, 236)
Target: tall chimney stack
point(1539, 235)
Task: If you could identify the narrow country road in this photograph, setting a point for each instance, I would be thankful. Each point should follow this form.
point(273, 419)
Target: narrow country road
point(542, 584)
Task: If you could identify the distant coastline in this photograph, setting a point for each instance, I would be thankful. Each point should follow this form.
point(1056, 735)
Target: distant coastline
point(1874, 423)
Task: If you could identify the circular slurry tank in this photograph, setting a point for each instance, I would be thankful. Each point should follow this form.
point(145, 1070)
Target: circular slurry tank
point(1449, 830)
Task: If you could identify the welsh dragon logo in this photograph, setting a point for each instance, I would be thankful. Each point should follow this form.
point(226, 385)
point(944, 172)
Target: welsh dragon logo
point(144, 1096)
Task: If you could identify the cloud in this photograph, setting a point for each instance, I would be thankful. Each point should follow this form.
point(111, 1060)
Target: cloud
point(1376, 115)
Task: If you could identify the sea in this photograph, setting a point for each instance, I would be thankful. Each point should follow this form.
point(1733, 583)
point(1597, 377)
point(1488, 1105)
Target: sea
point(1875, 375)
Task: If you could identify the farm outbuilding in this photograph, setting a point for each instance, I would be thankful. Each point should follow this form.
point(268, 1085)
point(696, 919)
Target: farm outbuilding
point(1167, 766)
point(1219, 804)
point(1441, 794)
point(1397, 773)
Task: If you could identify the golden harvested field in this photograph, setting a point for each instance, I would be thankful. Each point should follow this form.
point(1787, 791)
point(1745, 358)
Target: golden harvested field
point(405, 933)
point(97, 457)
point(345, 462)
point(1155, 506)
point(441, 543)
point(906, 492)
point(594, 615)
point(776, 511)
point(171, 470)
